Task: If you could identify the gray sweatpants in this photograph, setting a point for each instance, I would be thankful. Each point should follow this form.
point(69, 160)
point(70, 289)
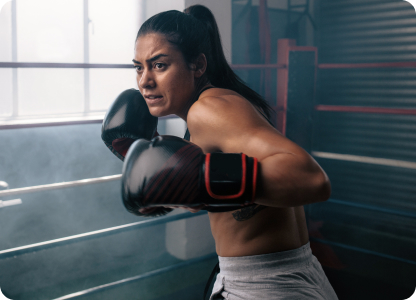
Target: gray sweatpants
point(293, 274)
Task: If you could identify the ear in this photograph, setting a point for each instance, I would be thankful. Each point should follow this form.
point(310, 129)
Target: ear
point(200, 65)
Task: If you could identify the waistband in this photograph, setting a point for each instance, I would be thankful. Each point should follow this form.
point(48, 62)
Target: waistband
point(266, 264)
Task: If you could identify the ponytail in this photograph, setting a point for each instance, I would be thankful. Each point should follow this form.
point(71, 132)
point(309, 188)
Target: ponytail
point(194, 32)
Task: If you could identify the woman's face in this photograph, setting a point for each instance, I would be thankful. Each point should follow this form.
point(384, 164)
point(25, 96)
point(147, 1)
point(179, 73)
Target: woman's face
point(165, 80)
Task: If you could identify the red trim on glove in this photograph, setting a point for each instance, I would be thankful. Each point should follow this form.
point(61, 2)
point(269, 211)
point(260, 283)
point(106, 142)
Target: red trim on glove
point(122, 145)
point(254, 179)
point(207, 179)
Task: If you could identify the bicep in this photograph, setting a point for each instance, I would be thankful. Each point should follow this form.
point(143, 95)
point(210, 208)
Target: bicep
point(289, 176)
point(235, 126)
point(262, 142)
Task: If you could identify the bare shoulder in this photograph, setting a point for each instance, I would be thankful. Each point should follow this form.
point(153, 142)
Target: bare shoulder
point(219, 117)
point(222, 120)
point(218, 104)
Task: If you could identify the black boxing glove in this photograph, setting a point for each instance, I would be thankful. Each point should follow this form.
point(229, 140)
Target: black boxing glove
point(170, 171)
point(127, 120)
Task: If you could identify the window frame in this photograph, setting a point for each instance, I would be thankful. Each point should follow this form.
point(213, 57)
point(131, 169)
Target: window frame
point(14, 120)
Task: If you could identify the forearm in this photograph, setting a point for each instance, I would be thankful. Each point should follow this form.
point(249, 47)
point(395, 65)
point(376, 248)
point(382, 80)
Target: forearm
point(288, 180)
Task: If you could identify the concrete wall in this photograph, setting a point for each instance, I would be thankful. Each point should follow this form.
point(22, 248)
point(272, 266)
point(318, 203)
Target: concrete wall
point(220, 8)
point(156, 6)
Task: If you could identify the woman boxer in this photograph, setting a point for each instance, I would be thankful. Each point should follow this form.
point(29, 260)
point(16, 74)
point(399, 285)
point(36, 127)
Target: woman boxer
point(252, 180)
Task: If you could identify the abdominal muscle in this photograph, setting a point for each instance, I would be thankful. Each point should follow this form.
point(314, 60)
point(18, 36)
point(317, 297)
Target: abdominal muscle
point(258, 230)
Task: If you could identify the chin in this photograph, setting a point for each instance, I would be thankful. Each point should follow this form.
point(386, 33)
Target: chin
point(158, 112)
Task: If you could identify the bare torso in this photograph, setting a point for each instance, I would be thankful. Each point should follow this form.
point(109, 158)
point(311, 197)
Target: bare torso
point(262, 230)
point(257, 229)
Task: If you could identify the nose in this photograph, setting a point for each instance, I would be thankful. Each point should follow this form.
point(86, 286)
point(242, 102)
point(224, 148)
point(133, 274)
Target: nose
point(146, 80)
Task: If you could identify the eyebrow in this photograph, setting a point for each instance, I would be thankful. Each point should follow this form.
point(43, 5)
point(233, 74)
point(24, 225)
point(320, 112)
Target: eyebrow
point(151, 59)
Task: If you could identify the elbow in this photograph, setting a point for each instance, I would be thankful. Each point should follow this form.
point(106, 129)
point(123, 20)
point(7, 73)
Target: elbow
point(323, 188)
point(319, 184)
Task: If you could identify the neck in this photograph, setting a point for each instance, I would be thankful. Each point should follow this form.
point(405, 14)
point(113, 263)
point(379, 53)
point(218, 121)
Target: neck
point(200, 86)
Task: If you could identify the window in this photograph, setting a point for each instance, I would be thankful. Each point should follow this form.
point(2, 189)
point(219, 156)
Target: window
point(65, 58)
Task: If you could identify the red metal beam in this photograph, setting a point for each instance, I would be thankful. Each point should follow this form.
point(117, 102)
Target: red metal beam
point(408, 64)
point(283, 46)
point(259, 66)
point(368, 110)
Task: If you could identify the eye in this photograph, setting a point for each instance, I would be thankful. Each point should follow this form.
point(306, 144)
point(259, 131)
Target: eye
point(159, 66)
point(138, 68)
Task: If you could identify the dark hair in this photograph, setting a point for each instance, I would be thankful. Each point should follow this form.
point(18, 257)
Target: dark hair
point(194, 32)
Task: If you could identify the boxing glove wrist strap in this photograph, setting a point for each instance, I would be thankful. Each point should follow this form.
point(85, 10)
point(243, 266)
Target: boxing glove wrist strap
point(230, 177)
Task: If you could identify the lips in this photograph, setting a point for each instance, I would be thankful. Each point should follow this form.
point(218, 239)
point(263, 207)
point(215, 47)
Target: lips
point(153, 98)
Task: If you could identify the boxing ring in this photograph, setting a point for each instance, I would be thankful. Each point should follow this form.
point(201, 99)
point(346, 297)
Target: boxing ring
point(15, 253)
point(297, 73)
point(339, 256)
point(50, 255)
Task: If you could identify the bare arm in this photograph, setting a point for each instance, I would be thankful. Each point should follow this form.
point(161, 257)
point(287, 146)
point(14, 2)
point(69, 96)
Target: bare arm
point(288, 175)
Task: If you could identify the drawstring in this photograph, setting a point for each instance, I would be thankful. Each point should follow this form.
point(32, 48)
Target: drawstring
point(214, 271)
